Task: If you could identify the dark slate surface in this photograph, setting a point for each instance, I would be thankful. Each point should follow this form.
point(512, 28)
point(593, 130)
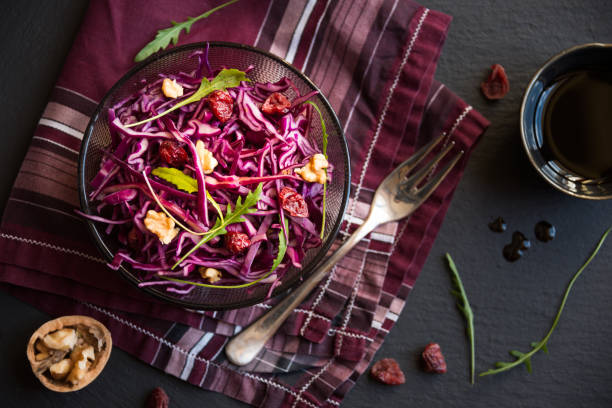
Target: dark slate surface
point(514, 303)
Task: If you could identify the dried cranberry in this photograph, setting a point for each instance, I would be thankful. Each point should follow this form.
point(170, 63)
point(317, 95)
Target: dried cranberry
point(293, 202)
point(286, 191)
point(173, 154)
point(222, 105)
point(237, 242)
point(275, 103)
point(158, 399)
point(387, 371)
point(433, 358)
point(135, 239)
point(497, 85)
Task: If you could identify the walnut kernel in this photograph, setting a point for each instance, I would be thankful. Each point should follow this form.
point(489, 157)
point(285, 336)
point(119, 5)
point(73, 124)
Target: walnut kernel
point(78, 371)
point(60, 369)
point(63, 339)
point(86, 351)
point(213, 275)
point(161, 225)
point(206, 158)
point(171, 89)
point(314, 171)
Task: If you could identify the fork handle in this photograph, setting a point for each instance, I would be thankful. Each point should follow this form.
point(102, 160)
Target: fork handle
point(243, 348)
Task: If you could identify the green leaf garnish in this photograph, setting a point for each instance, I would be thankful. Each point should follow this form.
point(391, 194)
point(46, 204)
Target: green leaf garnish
point(282, 250)
point(525, 358)
point(231, 217)
point(227, 78)
point(464, 305)
point(215, 205)
point(163, 37)
point(185, 183)
point(324, 131)
point(176, 177)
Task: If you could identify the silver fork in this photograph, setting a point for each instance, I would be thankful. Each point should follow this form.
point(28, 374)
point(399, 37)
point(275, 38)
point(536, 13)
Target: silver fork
point(397, 197)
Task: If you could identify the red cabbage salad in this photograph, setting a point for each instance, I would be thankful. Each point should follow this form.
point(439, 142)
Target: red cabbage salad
point(212, 180)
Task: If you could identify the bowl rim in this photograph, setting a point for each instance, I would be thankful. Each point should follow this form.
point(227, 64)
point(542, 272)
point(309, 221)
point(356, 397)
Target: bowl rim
point(158, 294)
point(551, 61)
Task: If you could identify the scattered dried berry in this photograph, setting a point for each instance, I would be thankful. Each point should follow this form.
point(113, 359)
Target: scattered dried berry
point(433, 358)
point(293, 202)
point(172, 154)
point(516, 249)
point(497, 225)
point(387, 371)
point(275, 104)
point(545, 231)
point(237, 242)
point(158, 399)
point(221, 104)
point(497, 85)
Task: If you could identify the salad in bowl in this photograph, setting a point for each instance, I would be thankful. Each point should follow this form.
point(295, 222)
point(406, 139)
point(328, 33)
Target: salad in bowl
point(213, 180)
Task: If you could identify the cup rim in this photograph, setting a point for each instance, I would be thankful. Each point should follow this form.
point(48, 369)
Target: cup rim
point(534, 79)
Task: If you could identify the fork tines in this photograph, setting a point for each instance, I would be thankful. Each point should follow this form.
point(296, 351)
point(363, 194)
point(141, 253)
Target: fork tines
point(427, 172)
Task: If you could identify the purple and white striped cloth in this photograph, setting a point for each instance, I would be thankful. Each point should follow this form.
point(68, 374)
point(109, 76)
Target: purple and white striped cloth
point(375, 61)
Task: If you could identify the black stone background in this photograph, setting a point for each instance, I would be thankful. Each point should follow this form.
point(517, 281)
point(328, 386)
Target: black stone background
point(514, 303)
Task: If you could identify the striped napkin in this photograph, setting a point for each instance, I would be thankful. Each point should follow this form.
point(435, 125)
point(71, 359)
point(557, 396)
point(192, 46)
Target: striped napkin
point(375, 61)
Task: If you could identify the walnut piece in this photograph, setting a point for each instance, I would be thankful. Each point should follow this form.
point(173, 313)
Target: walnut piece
point(41, 356)
point(85, 351)
point(161, 225)
point(78, 370)
point(61, 369)
point(171, 89)
point(63, 339)
point(213, 275)
point(40, 346)
point(314, 170)
point(207, 160)
point(73, 368)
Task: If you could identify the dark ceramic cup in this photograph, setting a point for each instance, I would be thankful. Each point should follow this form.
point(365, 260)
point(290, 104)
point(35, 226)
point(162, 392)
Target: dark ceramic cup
point(583, 58)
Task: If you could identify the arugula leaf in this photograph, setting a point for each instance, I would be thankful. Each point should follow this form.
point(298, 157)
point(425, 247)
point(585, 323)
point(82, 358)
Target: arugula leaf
point(163, 37)
point(464, 305)
point(231, 217)
point(525, 358)
point(185, 183)
point(227, 78)
point(324, 131)
point(215, 205)
point(282, 250)
point(176, 177)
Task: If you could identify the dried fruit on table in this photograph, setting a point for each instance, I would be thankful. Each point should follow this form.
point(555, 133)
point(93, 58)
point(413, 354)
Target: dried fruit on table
point(69, 352)
point(496, 86)
point(275, 104)
point(433, 358)
point(158, 399)
point(221, 104)
point(388, 371)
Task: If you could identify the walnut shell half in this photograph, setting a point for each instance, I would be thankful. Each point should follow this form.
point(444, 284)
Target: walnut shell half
point(102, 351)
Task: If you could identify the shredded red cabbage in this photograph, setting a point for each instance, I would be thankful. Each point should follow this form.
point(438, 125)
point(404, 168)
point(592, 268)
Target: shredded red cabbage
point(251, 147)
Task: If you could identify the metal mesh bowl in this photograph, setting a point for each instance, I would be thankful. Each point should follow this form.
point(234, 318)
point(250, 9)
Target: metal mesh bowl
point(267, 68)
